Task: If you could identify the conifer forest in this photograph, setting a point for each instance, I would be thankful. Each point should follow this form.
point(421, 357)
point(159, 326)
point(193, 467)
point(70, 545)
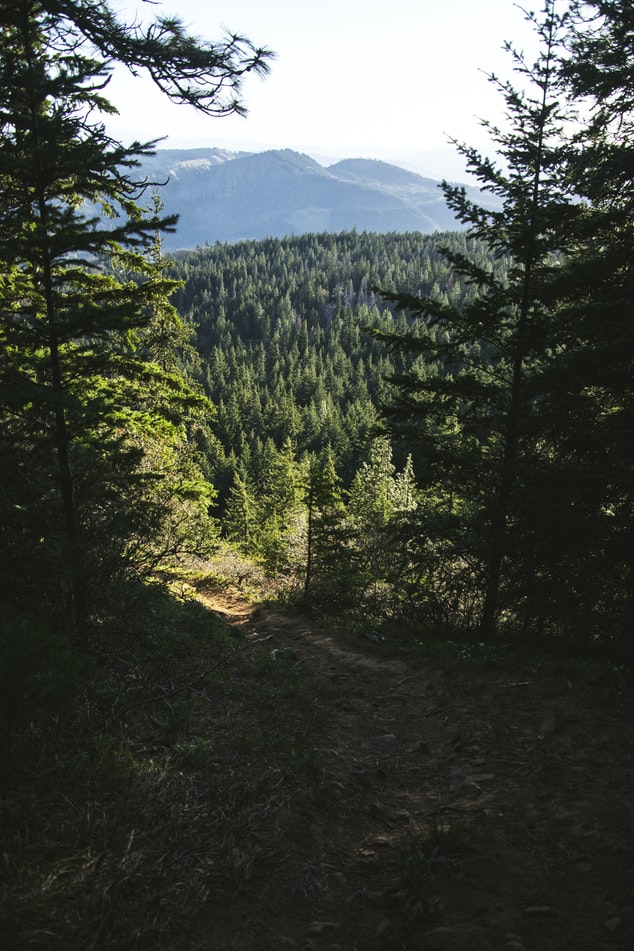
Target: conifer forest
point(420, 439)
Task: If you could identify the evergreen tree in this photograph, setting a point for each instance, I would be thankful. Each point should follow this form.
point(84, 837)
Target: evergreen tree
point(371, 500)
point(404, 491)
point(240, 518)
point(477, 411)
point(587, 521)
point(77, 400)
point(379, 499)
point(278, 502)
point(326, 574)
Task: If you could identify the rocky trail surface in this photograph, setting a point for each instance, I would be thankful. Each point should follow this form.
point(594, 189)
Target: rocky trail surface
point(466, 804)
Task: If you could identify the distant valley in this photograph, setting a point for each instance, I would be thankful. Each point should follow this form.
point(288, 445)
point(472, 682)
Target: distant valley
point(231, 196)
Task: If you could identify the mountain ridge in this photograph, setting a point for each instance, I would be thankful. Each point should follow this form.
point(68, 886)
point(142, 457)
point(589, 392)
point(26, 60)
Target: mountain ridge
point(231, 196)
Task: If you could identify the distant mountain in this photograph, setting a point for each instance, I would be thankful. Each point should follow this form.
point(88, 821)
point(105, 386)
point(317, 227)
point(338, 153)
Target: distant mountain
point(228, 196)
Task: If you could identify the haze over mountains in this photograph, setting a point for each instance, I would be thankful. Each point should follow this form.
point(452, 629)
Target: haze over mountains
point(230, 196)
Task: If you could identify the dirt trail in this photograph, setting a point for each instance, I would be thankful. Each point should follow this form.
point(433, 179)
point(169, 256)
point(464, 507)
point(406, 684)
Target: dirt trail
point(475, 806)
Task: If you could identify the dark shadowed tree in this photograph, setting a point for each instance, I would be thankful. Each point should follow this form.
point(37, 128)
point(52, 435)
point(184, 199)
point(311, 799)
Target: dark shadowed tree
point(588, 516)
point(78, 397)
point(474, 407)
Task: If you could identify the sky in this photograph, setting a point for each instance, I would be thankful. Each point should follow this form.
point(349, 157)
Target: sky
point(387, 79)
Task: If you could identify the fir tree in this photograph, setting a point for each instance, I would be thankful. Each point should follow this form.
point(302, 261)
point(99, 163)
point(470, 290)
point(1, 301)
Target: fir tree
point(326, 573)
point(240, 518)
point(587, 520)
point(77, 400)
point(475, 412)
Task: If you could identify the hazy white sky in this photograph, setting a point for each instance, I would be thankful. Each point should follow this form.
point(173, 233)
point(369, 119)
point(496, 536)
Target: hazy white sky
point(353, 78)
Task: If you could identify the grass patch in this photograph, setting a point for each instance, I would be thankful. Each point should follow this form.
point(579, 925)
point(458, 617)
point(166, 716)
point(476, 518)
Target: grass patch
point(413, 904)
point(157, 791)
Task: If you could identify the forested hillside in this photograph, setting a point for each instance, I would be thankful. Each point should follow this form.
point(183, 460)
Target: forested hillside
point(297, 381)
point(312, 349)
point(282, 332)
